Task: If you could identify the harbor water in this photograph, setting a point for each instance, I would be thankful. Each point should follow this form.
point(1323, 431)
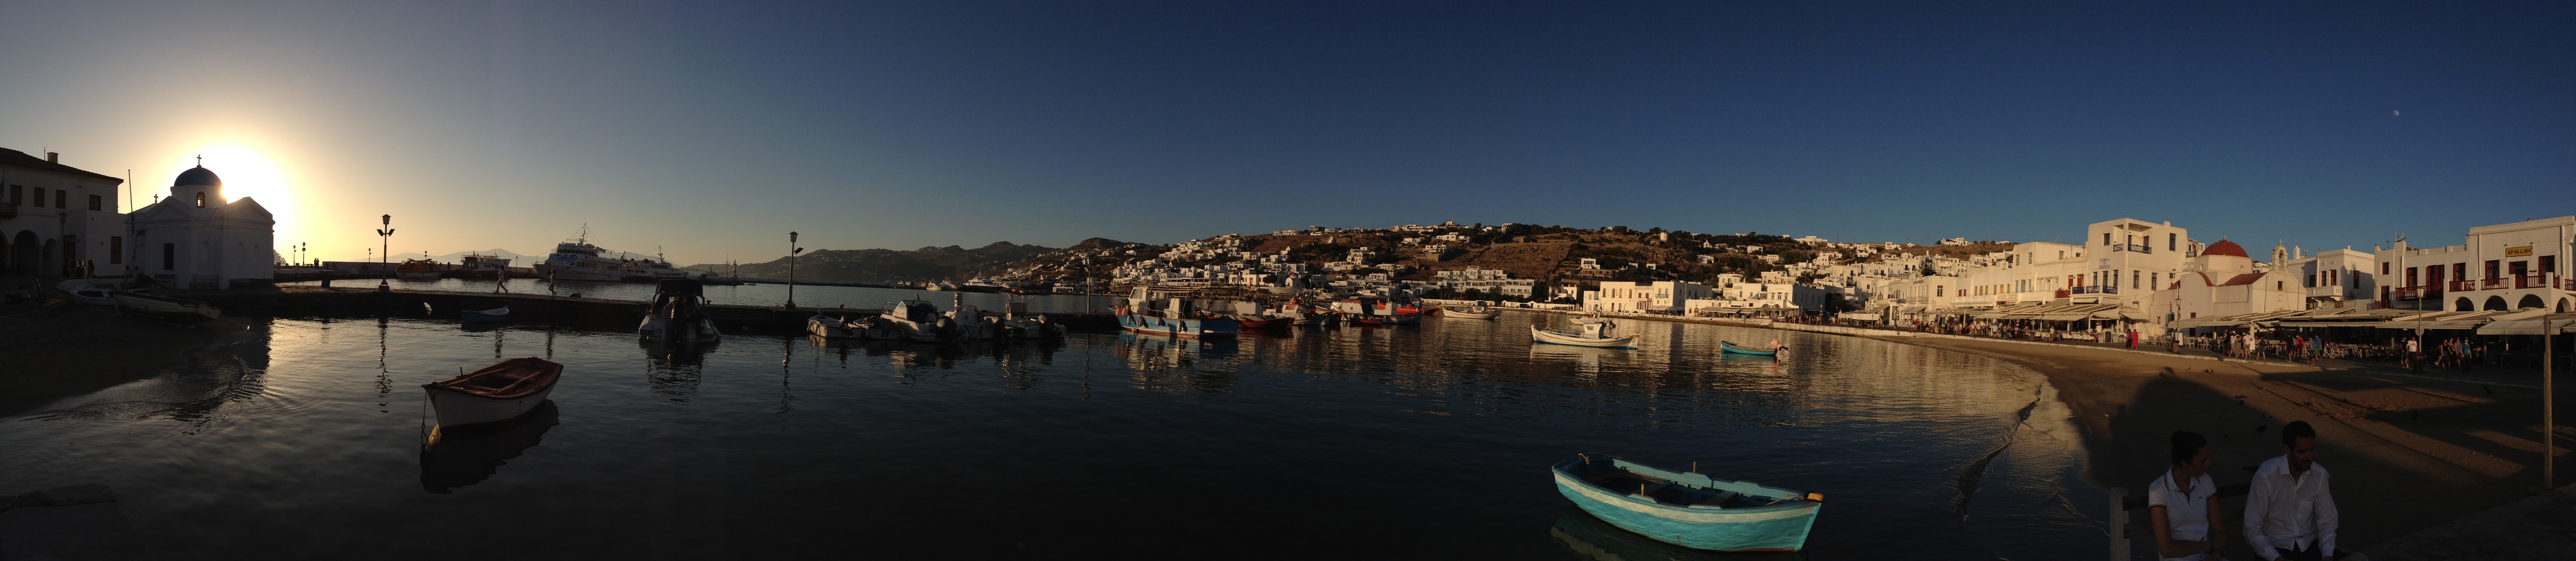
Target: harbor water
point(763, 294)
point(301, 438)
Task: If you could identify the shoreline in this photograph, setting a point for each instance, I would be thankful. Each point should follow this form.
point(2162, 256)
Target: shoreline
point(2458, 446)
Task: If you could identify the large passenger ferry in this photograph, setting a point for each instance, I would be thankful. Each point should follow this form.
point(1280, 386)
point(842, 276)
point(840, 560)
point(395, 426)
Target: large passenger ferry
point(577, 260)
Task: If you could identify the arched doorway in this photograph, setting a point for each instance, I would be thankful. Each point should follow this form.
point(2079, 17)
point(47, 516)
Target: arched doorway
point(2530, 301)
point(2463, 305)
point(2563, 306)
point(2495, 303)
point(22, 253)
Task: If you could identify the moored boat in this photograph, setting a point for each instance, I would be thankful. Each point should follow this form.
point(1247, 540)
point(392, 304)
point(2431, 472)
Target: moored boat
point(829, 327)
point(166, 307)
point(1688, 509)
point(909, 320)
point(1172, 317)
point(577, 260)
point(1725, 346)
point(417, 269)
point(498, 393)
point(1590, 335)
point(678, 314)
point(1477, 312)
point(486, 316)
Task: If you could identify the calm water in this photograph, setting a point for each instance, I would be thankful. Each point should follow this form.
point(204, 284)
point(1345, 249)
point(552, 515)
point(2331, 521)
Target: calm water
point(301, 439)
point(758, 294)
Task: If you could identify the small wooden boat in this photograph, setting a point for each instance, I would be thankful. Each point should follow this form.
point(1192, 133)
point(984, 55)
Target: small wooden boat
point(486, 316)
point(1688, 509)
point(1479, 312)
point(166, 307)
point(1258, 321)
point(497, 393)
point(829, 327)
point(1724, 346)
point(1592, 335)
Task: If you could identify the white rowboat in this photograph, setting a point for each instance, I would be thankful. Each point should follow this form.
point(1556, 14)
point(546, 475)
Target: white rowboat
point(497, 393)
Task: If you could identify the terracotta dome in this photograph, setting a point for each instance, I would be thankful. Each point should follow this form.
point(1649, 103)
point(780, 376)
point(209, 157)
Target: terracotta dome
point(2224, 247)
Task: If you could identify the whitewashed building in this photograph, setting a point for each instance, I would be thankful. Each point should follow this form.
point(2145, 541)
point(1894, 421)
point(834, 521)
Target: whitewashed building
point(56, 219)
point(194, 239)
point(2500, 267)
point(1658, 296)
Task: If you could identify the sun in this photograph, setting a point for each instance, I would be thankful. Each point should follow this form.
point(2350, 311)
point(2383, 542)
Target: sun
point(247, 173)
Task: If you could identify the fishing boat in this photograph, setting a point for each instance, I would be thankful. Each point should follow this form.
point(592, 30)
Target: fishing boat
point(486, 316)
point(1172, 317)
point(166, 307)
point(909, 320)
point(577, 260)
point(1018, 324)
point(1688, 509)
point(1725, 346)
point(829, 327)
point(482, 266)
point(679, 314)
point(90, 292)
point(1588, 335)
point(416, 269)
point(1477, 312)
point(967, 322)
point(501, 392)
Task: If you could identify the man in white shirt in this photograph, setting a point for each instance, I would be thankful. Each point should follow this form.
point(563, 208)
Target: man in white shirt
point(2289, 511)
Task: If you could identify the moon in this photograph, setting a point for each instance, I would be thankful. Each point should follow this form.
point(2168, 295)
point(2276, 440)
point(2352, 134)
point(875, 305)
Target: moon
point(2393, 113)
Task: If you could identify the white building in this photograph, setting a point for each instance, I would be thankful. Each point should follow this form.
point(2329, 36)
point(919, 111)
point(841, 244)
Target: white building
point(2501, 267)
point(194, 239)
point(55, 218)
point(2334, 277)
point(2223, 281)
point(1658, 296)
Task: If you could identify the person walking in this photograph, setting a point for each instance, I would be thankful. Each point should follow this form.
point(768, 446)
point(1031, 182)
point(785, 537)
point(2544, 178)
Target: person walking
point(2289, 509)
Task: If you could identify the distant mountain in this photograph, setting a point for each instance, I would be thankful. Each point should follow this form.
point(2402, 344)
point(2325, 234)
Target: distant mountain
point(927, 263)
point(516, 259)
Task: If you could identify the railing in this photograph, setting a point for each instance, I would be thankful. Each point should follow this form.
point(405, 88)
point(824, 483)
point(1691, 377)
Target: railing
point(2133, 247)
point(2463, 286)
point(2491, 284)
point(2104, 289)
point(2407, 293)
point(2533, 281)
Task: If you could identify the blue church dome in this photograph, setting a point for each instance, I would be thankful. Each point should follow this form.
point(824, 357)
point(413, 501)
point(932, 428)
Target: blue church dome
point(198, 176)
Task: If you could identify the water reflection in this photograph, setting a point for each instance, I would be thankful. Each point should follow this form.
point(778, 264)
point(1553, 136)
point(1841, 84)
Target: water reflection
point(452, 459)
point(1590, 538)
point(1173, 365)
point(672, 371)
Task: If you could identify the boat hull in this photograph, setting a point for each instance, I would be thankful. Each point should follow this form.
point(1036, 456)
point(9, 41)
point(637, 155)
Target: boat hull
point(565, 273)
point(1465, 314)
point(460, 410)
point(1553, 338)
point(1731, 348)
point(833, 328)
point(1781, 527)
point(1170, 327)
point(171, 308)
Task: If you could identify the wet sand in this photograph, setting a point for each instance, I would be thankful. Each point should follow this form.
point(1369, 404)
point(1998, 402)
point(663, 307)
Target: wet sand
point(61, 350)
point(2406, 453)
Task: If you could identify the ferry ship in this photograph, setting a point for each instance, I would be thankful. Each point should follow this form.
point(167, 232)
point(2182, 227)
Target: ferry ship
point(577, 260)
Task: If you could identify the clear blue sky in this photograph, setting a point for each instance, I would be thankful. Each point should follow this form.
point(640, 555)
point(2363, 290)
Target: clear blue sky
point(712, 129)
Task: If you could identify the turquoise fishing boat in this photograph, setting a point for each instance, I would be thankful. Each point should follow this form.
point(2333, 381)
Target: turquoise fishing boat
point(1687, 508)
point(1730, 347)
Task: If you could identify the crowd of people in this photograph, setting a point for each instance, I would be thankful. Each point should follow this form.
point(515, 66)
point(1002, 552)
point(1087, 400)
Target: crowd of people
point(2289, 505)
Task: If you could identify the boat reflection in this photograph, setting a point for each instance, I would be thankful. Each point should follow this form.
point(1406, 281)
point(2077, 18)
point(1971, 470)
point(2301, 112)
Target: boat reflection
point(457, 458)
point(672, 371)
point(1174, 365)
point(1591, 538)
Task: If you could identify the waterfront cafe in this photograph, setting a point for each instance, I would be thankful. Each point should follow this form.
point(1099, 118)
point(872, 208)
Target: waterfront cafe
point(2388, 327)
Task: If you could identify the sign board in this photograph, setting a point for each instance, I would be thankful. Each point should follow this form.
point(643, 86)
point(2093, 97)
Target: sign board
point(2522, 251)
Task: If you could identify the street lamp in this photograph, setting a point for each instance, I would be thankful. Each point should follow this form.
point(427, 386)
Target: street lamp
point(792, 250)
point(386, 284)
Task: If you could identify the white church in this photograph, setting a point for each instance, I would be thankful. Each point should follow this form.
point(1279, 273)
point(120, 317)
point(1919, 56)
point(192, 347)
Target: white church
point(194, 239)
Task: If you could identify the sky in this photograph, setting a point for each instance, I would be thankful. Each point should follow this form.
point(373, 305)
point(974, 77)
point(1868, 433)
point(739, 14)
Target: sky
point(711, 130)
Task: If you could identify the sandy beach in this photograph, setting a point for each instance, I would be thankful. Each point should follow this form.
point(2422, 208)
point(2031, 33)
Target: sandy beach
point(2406, 452)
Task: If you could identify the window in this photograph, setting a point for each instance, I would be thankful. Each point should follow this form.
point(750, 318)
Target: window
point(2410, 277)
point(169, 256)
point(16, 193)
point(201, 199)
point(62, 199)
point(116, 250)
point(2106, 238)
point(40, 197)
point(2169, 242)
point(2491, 269)
point(93, 202)
point(2383, 268)
point(2548, 264)
point(2458, 271)
point(2280, 285)
point(2133, 279)
point(2522, 268)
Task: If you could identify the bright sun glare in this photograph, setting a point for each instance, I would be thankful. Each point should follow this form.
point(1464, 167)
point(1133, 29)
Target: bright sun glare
point(246, 173)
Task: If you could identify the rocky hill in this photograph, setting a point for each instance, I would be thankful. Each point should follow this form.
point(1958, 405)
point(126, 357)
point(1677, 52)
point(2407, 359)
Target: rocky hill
point(851, 265)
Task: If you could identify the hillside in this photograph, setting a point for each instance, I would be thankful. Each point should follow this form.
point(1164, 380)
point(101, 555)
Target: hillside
point(851, 265)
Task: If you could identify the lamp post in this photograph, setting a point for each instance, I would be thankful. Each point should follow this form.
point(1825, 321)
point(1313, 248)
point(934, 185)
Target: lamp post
point(792, 250)
point(385, 285)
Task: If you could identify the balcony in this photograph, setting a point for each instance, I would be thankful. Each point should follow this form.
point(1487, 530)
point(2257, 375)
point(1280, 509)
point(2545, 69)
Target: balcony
point(2491, 284)
point(2535, 281)
point(2408, 293)
point(2463, 286)
point(2130, 247)
point(2095, 290)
